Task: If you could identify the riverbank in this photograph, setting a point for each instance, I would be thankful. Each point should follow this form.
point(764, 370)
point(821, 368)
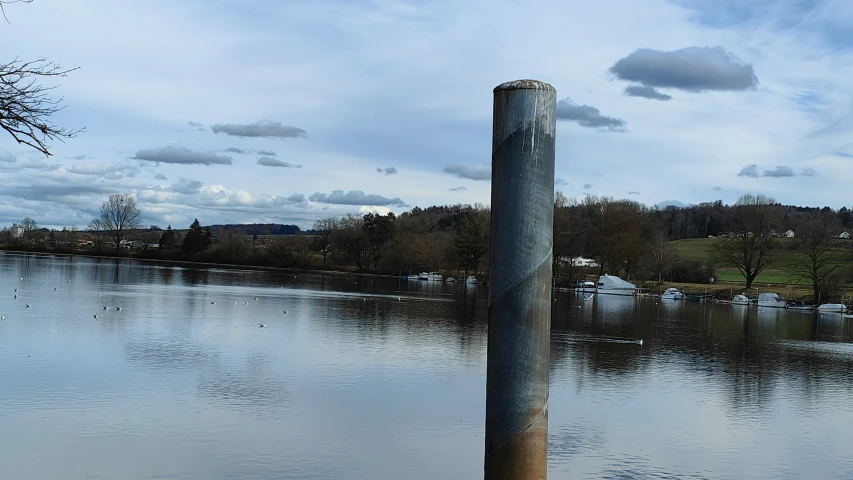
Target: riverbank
point(197, 264)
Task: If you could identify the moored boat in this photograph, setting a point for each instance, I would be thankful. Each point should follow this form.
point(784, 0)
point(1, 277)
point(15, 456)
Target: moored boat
point(585, 286)
point(740, 300)
point(800, 306)
point(832, 308)
point(770, 300)
point(672, 294)
point(612, 285)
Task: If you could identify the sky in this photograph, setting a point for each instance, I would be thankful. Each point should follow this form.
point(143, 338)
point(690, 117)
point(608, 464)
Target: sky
point(245, 111)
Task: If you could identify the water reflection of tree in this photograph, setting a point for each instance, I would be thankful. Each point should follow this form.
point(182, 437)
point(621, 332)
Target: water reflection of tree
point(753, 358)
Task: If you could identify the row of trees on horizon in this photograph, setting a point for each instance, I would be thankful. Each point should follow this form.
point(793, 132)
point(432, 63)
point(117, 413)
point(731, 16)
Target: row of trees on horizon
point(626, 238)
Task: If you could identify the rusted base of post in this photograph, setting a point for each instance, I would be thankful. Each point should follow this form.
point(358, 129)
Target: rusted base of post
point(524, 456)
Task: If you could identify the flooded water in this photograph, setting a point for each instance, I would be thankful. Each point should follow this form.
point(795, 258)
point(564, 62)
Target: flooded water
point(380, 379)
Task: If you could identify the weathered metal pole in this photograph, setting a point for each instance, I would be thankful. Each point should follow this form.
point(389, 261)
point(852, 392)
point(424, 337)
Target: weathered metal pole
point(520, 281)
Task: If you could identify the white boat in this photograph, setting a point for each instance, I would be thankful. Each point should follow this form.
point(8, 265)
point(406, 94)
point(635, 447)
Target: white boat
point(585, 287)
point(770, 300)
point(611, 285)
point(471, 279)
point(740, 300)
point(800, 306)
point(423, 276)
point(450, 280)
point(435, 277)
point(832, 308)
point(672, 294)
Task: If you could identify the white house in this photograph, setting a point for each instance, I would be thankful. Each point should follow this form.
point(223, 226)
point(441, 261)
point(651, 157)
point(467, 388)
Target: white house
point(17, 230)
point(789, 234)
point(584, 262)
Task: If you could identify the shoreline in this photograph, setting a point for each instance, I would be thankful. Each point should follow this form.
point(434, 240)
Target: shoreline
point(205, 265)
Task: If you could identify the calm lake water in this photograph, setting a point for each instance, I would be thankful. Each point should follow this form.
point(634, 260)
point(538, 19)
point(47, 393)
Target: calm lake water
point(380, 379)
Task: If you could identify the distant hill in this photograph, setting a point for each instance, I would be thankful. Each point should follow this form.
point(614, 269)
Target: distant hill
point(257, 229)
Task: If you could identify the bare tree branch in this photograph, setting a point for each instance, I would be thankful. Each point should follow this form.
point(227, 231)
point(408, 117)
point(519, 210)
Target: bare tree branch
point(3, 10)
point(25, 105)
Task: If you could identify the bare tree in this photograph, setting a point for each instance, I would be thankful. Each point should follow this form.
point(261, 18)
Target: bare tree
point(291, 250)
point(118, 215)
point(819, 255)
point(99, 233)
point(6, 236)
point(351, 240)
point(751, 247)
point(662, 255)
point(28, 226)
point(323, 235)
point(25, 105)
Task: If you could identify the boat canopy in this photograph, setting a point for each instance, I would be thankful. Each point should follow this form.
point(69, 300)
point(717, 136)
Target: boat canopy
point(609, 282)
point(768, 297)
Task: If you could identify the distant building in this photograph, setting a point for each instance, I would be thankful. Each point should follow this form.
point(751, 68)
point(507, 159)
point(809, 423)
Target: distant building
point(581, 262)
point(17, 230)
point(789, 234)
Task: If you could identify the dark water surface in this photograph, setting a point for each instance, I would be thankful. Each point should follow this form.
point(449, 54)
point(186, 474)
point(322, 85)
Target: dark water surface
point(380, 379)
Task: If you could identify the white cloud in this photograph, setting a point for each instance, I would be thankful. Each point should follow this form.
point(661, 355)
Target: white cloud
point(387, 100)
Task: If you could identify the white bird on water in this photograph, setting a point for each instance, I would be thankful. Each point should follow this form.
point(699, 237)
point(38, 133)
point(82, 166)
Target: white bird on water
point(262, 326)
point(235, 302)
point(2, 317)
point(640, 341)
point(96, 316)
point(118, 309)
point(104, 307)
point(28, 305)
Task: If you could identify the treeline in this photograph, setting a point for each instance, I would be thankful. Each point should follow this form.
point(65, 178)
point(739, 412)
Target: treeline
point(623, 237)
point(713, 218)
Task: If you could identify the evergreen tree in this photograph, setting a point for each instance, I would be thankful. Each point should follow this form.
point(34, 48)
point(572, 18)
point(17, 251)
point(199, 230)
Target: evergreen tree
point(196, 239)
point(167, 239)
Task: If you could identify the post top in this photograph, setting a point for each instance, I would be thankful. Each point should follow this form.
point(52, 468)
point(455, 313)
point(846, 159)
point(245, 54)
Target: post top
point(524, 85)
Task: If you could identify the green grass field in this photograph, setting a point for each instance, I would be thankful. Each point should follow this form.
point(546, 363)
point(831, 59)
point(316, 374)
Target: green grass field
point(779, 271)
